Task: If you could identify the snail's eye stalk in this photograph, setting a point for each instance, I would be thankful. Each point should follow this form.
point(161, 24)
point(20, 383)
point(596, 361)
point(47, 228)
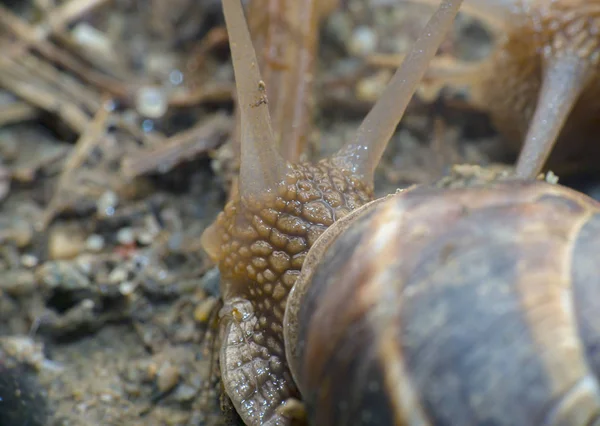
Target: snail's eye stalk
point(564, 79)
point(262, 167)
point(362, 154)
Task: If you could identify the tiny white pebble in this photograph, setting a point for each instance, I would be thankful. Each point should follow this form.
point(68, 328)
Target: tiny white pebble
point(151, 102)
point(94, 243)
point(126, 288)
point(106, 203)
point(125, 236)
point(168, 376)
point(363, 41)
point(29, 260)
point(145, 238)
point(88, 304)
point(117, 276)
point(106, 397)
point(369, 89)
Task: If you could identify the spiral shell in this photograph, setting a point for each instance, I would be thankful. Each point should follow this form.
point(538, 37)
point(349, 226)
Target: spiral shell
point(468, 306)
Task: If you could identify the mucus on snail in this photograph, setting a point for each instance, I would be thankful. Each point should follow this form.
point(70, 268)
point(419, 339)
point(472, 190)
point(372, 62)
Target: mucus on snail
point(369, 311)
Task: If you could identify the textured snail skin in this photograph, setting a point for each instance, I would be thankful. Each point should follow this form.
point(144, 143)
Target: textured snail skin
point(263, 243)
point(471, 306)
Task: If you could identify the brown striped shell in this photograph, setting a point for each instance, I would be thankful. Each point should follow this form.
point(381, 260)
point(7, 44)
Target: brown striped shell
point(471, 306)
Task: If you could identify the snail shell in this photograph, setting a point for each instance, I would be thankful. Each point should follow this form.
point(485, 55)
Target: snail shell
point(452, 307)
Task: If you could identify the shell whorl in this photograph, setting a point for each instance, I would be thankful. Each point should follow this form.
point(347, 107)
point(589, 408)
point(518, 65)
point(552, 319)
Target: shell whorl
point(461, 306)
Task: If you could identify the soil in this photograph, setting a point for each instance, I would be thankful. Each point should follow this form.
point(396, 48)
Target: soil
point(107, 300)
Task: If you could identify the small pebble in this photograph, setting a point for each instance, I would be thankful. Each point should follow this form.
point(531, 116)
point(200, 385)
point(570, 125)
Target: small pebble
point(363, 41)
point(105, 397)
point(87, 304)
point(151, 102)
point(204, 309)
point(185, 393)
point(145, 238)
point(29, 260)
point(117, 276)
point(369, 89)
point(65, 242)
point(127, 288)
point(106, 204)
point(167, 377)
point(125, 236)
point(94, 243)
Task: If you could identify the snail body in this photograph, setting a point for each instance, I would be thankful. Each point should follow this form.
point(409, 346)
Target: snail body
point(544, 94)
point(353, 305)
point(261, 238)
point(541, 83)
point(457, 306)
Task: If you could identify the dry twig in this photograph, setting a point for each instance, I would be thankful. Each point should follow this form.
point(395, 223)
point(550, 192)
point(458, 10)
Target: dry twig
point(181, 147)
point(32, 37)
point(89, 137)
point(19, 81)
point(63, 15)
point(17, 112)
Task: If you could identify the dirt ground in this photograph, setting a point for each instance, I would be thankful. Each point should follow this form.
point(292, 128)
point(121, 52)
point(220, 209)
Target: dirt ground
point(105, 294)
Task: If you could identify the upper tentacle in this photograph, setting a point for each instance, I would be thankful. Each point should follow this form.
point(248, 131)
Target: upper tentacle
point(262, 167)
point(362, 154)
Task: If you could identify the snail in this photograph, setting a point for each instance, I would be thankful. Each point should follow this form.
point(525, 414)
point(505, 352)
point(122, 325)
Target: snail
point(431, 306)
point(261, 238)
point(541, 83)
